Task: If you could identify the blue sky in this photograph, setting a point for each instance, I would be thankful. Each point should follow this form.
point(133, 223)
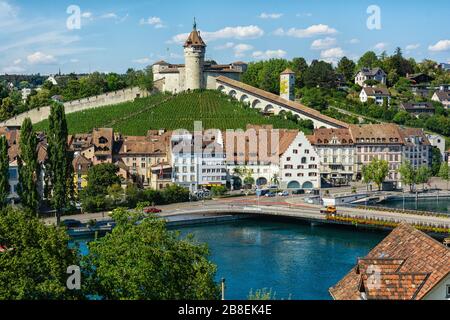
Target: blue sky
point(116, 35)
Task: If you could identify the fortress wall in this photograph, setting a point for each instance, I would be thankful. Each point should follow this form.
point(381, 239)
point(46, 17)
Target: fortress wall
point(110, 98)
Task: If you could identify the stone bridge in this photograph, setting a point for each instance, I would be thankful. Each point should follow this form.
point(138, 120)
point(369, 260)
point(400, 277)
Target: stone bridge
point(270, 103)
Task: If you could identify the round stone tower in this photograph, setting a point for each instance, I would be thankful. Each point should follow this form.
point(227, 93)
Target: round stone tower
point(287, 85)
point(194, 55)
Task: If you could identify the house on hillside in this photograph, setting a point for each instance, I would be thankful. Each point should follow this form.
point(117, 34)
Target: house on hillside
point(418, 108)
point(378, 95)
point(442, 95)
point(406, 265)
point(366, 74)
point(418, 78)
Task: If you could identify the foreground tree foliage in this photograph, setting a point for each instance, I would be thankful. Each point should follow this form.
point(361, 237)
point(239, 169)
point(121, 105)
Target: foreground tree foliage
point(28, 167)
point(144, 261)
point(4, 172)
point(59, 159)
point(34, 260)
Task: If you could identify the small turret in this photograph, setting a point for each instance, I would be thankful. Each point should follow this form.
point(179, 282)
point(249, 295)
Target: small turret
point(287, 85)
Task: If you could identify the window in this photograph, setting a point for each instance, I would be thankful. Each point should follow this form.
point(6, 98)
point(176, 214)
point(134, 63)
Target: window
point(448, 291)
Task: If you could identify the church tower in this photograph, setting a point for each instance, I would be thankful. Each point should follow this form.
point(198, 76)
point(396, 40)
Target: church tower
point(287, 85)
point(194, 55)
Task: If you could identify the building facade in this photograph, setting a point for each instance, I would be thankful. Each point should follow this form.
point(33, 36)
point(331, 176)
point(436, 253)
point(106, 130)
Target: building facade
point(195, 73)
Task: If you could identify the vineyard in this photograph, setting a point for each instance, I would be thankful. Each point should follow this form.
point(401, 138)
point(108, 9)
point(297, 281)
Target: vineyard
point(169, 112)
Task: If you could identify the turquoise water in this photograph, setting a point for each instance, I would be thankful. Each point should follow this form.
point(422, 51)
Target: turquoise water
point(297, 261)
point(441, 205)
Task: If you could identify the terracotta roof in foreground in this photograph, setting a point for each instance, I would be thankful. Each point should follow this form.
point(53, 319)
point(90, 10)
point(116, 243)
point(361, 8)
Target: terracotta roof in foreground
point(294, 106)
point(406, 265)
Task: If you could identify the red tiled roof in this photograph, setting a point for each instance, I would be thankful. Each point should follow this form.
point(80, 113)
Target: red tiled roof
point(408, 264)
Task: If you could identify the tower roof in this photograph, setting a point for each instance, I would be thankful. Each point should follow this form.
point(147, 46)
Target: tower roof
point(288, 71)
point(194, 39)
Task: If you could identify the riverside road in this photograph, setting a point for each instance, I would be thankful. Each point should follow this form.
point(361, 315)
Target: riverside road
point(292, 207)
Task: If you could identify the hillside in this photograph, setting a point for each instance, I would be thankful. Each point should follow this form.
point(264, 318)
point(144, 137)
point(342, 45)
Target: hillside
point(163, 111)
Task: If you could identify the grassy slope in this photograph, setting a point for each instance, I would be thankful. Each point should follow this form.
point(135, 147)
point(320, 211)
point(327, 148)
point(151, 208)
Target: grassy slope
point(171, 112)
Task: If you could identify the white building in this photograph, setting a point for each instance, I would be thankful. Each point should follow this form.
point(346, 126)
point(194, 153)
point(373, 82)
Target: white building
point(438, 142)
point(337, 152)
point(442, 95)
point(196, 73)
point(378, 95)
point(198, 162)
point(366, 74)
point(299, 164)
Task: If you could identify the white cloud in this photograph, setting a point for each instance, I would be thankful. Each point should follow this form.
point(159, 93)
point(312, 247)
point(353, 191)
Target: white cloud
point(13, 69)
point(142, 61)
point(442, 45)
point(381, 46)
point(241, 49)
point(87, 15)
point(354, 41)
point(17, 61)
point(41, 58)
point(307, 14)
point(156, 22)
point(115, 17)
point(332, 55)
point(74, 60)
point(240, 32)
point(269, 54)
point(225, 46)
point(413, 46)
point(270, 15)
point(325, 43)
point(110, 15)
point(52, 37)
point(311, 31)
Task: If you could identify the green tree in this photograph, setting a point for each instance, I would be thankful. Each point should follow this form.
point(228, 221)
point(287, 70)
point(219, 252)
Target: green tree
point(407, 175)
point(320, 74)
point(58, 158)
point(34, 264)
point(145, 261)
point(380, 170)
point(423, 175)
point(346, 67)
point(28, 167)
point(4, 172)
point(444, 173)
point(368, 60)
point(367, 175)
point(436, 161)
point(100, 177)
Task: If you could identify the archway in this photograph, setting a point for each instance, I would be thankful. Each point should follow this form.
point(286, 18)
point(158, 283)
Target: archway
point(269, 109)
point(221, 89)
point(245, 99)
point(293, 185)
point(256, 103)
point(308, 185)
point(261, 182)
point(232, 94)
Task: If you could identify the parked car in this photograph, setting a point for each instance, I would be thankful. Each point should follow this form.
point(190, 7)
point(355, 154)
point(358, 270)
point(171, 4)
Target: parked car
point(152, 210)
point(298, 192)
point(71, 223)
point(270, 195)
point(283, 194)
